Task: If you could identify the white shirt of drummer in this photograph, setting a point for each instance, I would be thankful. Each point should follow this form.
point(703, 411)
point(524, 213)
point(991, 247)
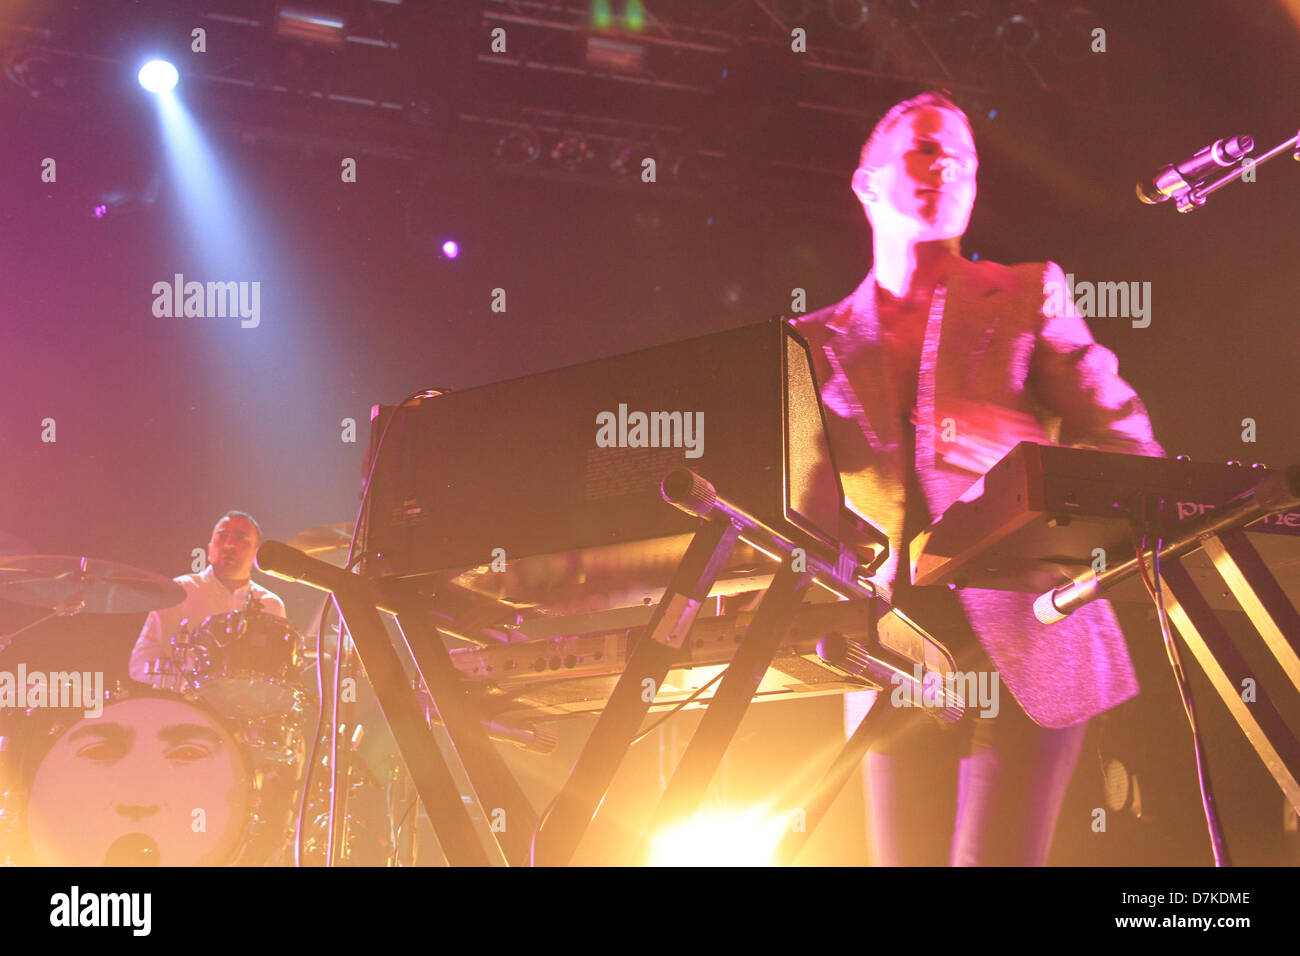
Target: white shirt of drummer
point(205, 596)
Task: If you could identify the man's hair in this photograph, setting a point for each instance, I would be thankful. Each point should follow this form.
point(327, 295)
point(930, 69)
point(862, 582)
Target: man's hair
point(247, 517)
point(932, 99)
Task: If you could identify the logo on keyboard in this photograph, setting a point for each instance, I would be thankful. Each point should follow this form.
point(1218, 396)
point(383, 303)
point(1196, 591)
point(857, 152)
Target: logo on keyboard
point(1194, 509)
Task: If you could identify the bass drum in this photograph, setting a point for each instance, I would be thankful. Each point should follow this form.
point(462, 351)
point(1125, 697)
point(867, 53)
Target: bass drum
point(154, 780)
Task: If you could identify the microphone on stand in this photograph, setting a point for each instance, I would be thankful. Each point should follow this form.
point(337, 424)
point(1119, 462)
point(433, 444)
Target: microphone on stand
point(1182, 177)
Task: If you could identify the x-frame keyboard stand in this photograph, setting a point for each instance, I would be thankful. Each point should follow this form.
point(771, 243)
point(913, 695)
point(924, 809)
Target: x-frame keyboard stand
point(553, 840)
point(1272, 615)
point(660, 647)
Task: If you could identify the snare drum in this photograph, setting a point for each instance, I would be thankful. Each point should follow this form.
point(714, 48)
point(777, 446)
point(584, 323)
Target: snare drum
point(155, 779)
point(244, 664)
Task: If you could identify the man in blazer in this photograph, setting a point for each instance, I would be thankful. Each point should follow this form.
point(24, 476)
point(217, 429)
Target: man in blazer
point(930, 372)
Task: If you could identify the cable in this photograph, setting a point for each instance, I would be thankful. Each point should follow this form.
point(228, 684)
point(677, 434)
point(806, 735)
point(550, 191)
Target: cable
point(300, 831)
point(334, 741)
point(1217, 846)
point(646, 733)
point(352, 560)
point(546, 812)
point(397, 830)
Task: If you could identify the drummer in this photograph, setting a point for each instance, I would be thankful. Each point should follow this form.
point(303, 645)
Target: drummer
point(223, 586)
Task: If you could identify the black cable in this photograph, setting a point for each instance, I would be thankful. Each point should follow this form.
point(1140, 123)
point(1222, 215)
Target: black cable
point(546, 811)
point(1155, 589)
point(316, 737)
point(353, 558)
point(646, 733)
point(397, 830)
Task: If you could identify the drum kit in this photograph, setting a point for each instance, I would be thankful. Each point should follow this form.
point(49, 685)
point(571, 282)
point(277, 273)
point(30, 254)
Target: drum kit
point(203, 766)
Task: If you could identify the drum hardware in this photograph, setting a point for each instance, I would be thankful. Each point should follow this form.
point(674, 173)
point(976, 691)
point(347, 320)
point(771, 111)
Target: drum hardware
point(245, 663)
point(66, 585)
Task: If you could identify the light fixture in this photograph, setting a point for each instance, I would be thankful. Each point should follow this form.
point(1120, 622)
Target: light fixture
point(519, 147)
point(158, 76)
point(311, 26)
point(627, 158)
point(1018, 32)
point(848, 14)
point(571, 151)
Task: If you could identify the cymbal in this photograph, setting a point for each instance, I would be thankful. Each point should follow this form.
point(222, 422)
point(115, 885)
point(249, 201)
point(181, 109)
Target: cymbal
point(105, 587)
point(326, 542)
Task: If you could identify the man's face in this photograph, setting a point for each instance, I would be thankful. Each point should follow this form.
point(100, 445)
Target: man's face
point(233, 547)
point(924, 182)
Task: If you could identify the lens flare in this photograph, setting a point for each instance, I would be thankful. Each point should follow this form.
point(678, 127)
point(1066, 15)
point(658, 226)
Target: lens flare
point(719, 839)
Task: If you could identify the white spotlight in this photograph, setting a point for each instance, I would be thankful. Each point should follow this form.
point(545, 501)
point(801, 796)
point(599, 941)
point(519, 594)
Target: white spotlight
point(158, 76)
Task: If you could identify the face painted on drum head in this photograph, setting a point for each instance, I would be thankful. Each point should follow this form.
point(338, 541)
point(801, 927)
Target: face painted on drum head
point(140, 771)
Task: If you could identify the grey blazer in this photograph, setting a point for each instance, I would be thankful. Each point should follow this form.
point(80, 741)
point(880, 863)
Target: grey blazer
point(1000, 337)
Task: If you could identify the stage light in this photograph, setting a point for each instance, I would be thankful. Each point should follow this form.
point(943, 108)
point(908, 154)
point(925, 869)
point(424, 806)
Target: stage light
point(311, 26)
point(617, 56)
point(1072, 40)
point(634, 15)
point(518, 147)
point(847, 14)
point(34, 72)
point(627, 157)
point(906, 11)
point(571, 151)
point(719, 839)
point(158, 76)
point(1018, 32)
point(100, 211)
point(451, 249)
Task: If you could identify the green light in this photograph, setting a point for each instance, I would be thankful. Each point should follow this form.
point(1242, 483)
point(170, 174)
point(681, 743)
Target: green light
point(635, 15)
point(601, 18)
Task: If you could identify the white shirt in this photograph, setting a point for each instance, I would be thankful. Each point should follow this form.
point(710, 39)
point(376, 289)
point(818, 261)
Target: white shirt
point(205, 596)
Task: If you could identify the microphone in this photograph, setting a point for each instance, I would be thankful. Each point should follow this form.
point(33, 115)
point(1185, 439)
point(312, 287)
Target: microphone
point(1181, 177)
point(133, 849)
point(1276, 492)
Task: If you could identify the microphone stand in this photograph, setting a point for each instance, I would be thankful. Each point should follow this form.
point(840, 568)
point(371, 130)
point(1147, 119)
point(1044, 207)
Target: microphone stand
point(1275, 493)
point(1188, 197)
point(67, 608)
